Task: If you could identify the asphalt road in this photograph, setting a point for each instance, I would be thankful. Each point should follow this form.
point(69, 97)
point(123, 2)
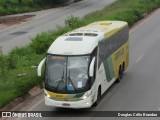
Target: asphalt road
point(21, 35)
point(139, 90)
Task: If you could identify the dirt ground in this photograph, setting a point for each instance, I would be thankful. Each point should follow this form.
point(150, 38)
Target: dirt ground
point(9, 21)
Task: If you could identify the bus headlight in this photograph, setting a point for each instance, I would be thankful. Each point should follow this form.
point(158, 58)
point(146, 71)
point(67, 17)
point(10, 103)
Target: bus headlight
point(87, 94)
point(46, 94)
point(84, 97)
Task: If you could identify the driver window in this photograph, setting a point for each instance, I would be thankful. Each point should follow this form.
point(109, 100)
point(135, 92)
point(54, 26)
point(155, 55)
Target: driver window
point(94, 54)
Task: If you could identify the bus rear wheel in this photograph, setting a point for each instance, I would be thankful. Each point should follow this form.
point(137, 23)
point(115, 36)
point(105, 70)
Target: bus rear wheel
point(119, 74)
point(123, 67)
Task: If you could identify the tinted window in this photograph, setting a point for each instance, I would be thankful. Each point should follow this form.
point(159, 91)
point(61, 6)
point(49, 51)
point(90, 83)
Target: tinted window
point(112, 44)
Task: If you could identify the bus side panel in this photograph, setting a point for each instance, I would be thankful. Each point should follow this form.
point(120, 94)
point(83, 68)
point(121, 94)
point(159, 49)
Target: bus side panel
point(104, 71)
point(119, 56)
point(109, 70)
point(127, 55)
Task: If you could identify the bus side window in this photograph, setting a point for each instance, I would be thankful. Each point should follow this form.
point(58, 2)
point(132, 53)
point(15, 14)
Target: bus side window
point(123, 36)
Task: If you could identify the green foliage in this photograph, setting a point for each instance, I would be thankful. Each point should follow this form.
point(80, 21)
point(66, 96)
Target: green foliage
point(19, 6)
point(20, 60)
point(12, 59)
point(7, 96)
point(72, 21)
point(1, 52)
point(10, 79)
point(3, 64)
point(124, 10)
point(41, 42)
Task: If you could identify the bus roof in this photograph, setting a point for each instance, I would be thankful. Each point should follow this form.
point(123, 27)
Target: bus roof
point(83, 40)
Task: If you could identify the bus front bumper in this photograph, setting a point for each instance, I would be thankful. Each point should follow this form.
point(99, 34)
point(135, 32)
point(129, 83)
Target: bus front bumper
point(85, 103)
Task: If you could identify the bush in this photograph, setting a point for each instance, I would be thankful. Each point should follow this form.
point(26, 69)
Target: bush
point(41, 42)
point(12, 60)
point(3, 64)
point(72, 21)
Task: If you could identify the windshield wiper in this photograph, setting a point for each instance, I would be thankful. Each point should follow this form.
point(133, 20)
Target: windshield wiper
point(60, 81)
point(71, 82)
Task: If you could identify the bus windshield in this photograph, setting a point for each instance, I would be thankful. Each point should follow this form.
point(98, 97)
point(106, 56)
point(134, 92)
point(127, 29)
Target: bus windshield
point(67, 74)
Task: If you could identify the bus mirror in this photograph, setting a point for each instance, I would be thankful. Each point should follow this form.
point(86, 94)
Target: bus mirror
point(39, 70)
point(91, 68)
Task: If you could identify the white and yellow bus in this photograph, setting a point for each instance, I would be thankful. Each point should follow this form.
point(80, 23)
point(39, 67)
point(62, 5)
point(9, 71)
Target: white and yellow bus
point(82, 64)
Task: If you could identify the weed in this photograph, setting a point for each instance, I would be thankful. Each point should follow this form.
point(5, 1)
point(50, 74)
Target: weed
point(72, 21)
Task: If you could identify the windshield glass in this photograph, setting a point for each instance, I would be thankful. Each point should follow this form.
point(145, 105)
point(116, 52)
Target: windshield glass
point(67, 74)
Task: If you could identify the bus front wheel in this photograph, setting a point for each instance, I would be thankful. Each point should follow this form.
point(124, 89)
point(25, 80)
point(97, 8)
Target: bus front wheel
point(98, 97)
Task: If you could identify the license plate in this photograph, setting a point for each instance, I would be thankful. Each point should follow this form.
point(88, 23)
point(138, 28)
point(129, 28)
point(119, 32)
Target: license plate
point(66, 105)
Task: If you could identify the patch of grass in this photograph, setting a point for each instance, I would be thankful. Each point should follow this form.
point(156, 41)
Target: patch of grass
point(130, 11)
point(17, 81)
point(17, 75)
point(7, 95)
point(20, 6)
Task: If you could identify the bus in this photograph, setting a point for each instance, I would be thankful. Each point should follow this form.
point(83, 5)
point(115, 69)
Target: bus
point(82, 64)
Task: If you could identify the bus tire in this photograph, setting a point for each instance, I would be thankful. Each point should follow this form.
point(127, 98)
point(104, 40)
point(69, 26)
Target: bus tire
point(119, 74)
point(123, 67)
point(98, 96)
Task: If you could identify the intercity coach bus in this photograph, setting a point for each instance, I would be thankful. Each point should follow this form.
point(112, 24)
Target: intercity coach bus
point(82, 64)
